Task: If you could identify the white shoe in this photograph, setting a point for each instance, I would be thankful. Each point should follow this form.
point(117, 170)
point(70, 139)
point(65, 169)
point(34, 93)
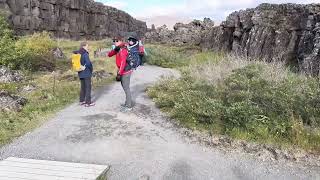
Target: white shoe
point(126, 109)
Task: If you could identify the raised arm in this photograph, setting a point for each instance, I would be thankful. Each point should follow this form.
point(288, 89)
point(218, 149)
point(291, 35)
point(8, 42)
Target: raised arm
point(114, 51)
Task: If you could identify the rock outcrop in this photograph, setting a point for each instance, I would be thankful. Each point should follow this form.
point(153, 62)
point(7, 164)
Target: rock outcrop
point(99, 75)
point(9, 102)
point(8, 76)
point(285, 32)
point(72, 19)
point(28, 88)
point(58, 53)
point(182, 34)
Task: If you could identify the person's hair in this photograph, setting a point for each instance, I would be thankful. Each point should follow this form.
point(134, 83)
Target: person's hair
point(83, 44)
point(118, 38)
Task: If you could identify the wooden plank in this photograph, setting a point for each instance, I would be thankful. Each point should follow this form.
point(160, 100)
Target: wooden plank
point(29, 176)
point(80, 174)
point(29, 169)
point(13, 178)
point(22, 165)
point(55, 163)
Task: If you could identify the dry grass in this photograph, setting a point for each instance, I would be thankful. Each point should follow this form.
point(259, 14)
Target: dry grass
point(216, 69)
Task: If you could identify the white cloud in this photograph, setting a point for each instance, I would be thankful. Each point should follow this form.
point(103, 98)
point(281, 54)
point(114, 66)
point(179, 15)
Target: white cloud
point(215, 9)
point(186, 10)
point(170, 21)
point(193, 7)
point(117, 4)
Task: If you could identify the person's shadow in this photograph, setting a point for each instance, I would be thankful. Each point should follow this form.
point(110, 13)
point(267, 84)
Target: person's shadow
point(98, 93)
point(135, 91)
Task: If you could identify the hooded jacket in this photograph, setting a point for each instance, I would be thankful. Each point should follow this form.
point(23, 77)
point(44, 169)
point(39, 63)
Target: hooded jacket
point(121, 53)
point(85, 61)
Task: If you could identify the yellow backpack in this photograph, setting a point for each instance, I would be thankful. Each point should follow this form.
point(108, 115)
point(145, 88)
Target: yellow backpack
point(76, 63)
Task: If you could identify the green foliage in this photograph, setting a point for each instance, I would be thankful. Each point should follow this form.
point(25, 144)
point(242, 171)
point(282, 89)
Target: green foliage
point(5, 31)
point(169, 56)
point(29, 52)
point(164, 57)
point(177, 57)
point(7, 44)
point(38, 44)
point(11, 87)
point(34, 51)
point(246, 103)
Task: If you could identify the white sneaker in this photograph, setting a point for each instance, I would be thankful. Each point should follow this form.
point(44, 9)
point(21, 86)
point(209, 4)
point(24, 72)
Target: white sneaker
point(126, 109)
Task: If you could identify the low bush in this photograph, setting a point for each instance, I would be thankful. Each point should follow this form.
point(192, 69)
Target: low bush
point(245, 99)
point(35, 52)
point(164, 57)
point(169, 56)
point(29, 52)
point(7, 44)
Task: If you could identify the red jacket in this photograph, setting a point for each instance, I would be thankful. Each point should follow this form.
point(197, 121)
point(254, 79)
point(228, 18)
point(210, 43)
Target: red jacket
point(121, 59)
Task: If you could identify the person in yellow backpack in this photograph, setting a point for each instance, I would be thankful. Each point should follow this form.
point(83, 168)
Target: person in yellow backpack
point(85, 75)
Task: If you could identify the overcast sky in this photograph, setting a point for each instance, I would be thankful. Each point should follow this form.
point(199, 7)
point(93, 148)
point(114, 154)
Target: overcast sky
point(168, 12)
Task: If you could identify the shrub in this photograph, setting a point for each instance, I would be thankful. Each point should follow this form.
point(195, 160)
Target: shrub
point(5, 31)
point(164, 57)
point(35, 52)
point(176, 57)
point(170, 56)
point(29, 52)
point(245, 99)
point(7, 46)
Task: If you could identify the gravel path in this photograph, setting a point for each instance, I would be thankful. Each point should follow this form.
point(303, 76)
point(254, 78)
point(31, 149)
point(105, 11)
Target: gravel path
point(139, 143)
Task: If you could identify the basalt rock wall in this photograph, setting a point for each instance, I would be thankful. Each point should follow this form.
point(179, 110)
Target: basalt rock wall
point(72, 19)
point(285, 32)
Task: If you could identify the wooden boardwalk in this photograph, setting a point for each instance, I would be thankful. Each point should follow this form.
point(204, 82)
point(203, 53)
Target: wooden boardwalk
point(29, 169)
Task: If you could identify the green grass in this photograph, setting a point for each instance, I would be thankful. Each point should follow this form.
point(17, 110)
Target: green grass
point(70, 46)
point(54, 91)
point(251, 100)
point(170, 56)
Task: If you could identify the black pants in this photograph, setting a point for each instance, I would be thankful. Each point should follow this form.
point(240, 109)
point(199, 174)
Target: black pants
point(85, 92)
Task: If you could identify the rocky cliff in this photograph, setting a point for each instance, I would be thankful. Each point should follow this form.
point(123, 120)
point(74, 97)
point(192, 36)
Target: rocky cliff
point(75, 19)
point(182, 34)
point(286, 32)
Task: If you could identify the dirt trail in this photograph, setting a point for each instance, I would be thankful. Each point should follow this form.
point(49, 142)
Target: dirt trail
point(139, 143)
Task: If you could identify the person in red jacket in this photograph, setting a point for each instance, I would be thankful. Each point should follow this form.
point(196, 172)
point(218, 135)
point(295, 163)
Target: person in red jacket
point(124, 71)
